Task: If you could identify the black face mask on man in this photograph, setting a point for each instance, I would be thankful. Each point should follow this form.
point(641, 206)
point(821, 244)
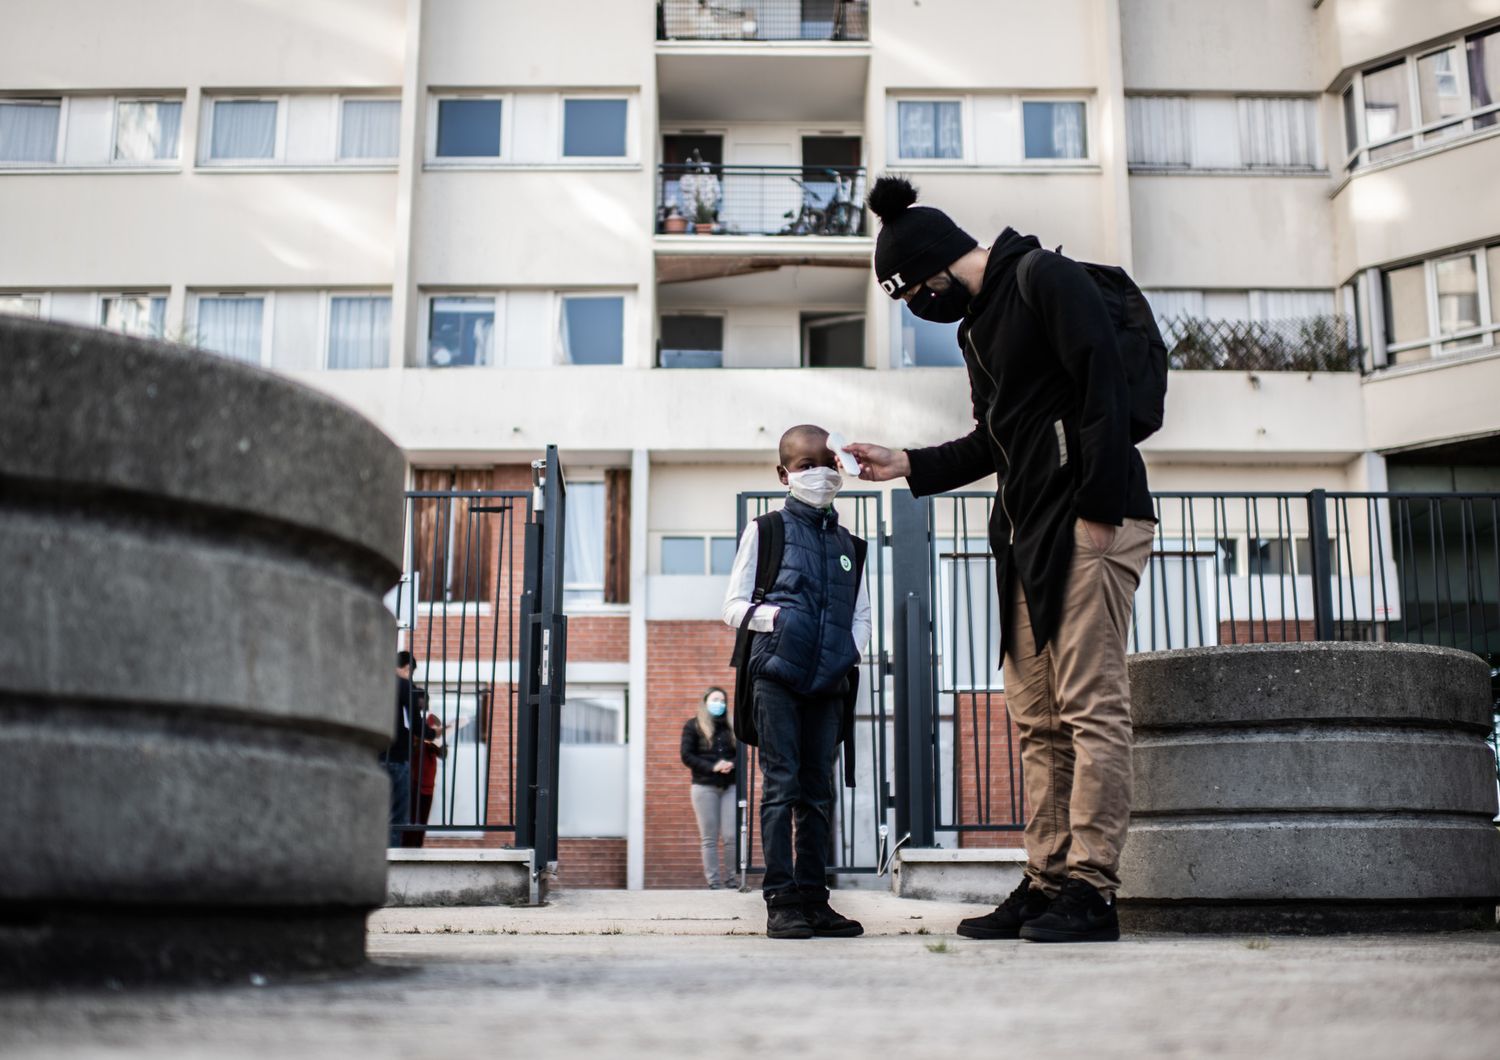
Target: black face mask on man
point(941, 307)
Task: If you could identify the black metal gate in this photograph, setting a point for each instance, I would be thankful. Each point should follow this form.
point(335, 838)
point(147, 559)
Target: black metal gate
point(480, 607)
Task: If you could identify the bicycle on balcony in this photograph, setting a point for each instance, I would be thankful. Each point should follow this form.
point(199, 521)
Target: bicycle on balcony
point(840, 215)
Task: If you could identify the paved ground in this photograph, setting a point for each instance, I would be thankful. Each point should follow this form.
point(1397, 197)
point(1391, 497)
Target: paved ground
point(603, 974)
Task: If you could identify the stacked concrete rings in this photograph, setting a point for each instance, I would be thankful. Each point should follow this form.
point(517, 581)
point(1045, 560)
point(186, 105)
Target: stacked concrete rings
point(196, 670)
point(1311, 787)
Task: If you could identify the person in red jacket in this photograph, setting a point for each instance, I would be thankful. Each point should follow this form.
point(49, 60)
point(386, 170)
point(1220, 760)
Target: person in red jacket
point(425, 753)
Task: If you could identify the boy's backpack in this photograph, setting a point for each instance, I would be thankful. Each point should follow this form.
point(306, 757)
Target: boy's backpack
point(1139, 339)
point(770, 534)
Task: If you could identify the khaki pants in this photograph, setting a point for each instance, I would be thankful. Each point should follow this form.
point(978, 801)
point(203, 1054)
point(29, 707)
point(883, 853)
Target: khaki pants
point(1071, 704)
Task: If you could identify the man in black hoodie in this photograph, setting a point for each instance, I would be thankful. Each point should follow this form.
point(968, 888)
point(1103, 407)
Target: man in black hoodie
point(1071, 532)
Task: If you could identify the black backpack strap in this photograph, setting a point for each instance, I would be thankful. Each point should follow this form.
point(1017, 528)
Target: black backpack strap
point(1023, 273)
point(770, 533)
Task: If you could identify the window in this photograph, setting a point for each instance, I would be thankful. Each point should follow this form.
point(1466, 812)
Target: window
point(21, 305)
point(1223, 132)
point(583, 559)
point(1228, 556)
point(833, 340)
point(460, 331)
point(593, 716)
point(1422, 99)
point(1054, 130)
point(692, 342)
point(147, 130)
point(231, 325)
point(243, 129)
point(370, 128)
point(923, 344)
point(721, 552)
point(1445, 305)
point(468, 128)
point(1305, 556)
point(1270, 557)
point(359, 331)
point(593, 329)
point(682, 555)
point(28, 129)
point(142, 315)
point(930, 129)
point(594, 128)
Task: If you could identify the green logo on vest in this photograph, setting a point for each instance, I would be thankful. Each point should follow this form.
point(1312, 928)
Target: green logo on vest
point(845, 562)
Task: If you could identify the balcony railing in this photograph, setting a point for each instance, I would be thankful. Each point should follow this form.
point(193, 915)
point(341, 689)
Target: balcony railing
point(764, 20)
point(709, 199)
point(1305, 344)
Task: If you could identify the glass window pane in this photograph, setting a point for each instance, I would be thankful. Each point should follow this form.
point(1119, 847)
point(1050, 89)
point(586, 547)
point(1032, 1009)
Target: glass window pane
point(1406, 305)
point(1484, 70)
point(147, 131)
point(460, 332)
point(1054, 130)
point(583, 557)
point(1394, 149)
point(1437, 85)
point(1492, 262)
point(28, 130)
point(468, 128)
point(371, 128)
point(244, 129)
point(594, 128)
point(21, 305)
point(928, 345)
point(359, 332)
point(930, 129)
point(1270, 556)
point(833, 341)
point(721, 551)
point(1351, 123)
point(1387, 102)
point(593, 330)
point(142, 315)
point(692, 342)
point(682, 555)
point(231, 326)
point(1457, 293)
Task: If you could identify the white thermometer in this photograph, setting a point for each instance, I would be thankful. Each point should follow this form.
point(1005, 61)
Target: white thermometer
point(850, 465)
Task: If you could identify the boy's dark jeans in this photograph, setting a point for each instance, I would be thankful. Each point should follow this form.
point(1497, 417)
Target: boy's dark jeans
point(798, 739)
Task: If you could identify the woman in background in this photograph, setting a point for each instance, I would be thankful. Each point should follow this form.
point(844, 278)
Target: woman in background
point(708, 751)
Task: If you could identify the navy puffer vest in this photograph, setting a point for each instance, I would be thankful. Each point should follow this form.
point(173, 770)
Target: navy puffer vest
point(812, 647)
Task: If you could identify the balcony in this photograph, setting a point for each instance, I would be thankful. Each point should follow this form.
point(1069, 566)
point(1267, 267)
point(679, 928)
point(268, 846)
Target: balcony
point(1306, 344)
point(763, 20)
point(726, 200)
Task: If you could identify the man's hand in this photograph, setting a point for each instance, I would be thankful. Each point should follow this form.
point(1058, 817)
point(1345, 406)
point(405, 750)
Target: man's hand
point(1101, 534)
point(879, 464)
point(723, 765)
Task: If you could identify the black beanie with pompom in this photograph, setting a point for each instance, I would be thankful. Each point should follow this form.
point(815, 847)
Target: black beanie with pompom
point(915, 242)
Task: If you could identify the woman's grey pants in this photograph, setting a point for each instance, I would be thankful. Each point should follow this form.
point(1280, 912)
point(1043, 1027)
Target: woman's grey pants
point(714, 809)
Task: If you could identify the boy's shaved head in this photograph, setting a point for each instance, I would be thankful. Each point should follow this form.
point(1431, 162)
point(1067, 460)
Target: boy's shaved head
point(798, 439)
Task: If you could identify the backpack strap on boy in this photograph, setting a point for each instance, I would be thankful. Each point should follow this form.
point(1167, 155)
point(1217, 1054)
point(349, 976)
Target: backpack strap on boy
point(851, 691)
point(770, 534)
point(1024, 269)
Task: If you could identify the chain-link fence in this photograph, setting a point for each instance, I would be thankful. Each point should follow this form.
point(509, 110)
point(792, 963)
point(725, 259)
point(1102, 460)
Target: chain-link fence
point(1305, 344)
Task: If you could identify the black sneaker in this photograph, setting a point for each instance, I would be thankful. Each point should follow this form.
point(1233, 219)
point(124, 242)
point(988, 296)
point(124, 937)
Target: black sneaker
point(826, 923)
point(787, 922)
point(1079, 913)
point(1025, 903)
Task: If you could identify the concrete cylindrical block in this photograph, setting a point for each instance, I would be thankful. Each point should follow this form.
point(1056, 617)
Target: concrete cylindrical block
point(1311, 787)
point(195, 671)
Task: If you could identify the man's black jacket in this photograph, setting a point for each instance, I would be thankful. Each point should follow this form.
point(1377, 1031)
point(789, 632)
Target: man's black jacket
point(1051, 419)
point(699, 755)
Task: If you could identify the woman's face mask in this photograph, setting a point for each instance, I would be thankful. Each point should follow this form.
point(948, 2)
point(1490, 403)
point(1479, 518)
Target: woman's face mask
point(941, 307)
point(817, 486)
point(717, 707)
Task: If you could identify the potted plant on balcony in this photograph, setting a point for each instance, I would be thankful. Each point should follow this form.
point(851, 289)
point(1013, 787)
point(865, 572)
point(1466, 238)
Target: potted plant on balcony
point(700, 192)
point(673, 223)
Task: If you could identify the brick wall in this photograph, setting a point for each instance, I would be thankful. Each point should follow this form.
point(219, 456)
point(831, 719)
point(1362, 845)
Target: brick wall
point(592, 863)
point(987, 760)
point(599, 638)
point(1269, 631)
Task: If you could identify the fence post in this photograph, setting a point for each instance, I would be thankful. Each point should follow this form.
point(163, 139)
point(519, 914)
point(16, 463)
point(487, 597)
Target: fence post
point(911, 543)
point(551, 660)
point(1322, 564)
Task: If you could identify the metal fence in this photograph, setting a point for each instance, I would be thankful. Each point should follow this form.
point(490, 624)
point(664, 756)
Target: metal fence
point(711, 199)
point(766, 20)
point(1305, 344)
point(479, 606)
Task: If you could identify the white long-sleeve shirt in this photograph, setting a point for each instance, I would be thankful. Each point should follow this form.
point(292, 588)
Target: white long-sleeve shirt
point(742, 586)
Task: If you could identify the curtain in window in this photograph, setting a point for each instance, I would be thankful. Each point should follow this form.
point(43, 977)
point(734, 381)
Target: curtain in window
point(1278, 132)
point(21, 305)
point(142, 315)
point(231, 326)
point(1172, 307)
point(244, 129)
point(931, 130)
point(371, 129)
point(1160, 131)
point(147, 132)
point(1294, 305)
point(359, 332)
point(1067, 130)
point(28, 131)
point(584, 554)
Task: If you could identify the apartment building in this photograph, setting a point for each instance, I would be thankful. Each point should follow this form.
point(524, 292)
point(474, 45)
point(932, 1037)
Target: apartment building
point(633, 229)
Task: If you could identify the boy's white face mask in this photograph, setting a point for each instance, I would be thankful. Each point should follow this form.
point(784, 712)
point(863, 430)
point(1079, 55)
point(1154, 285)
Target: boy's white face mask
point(817, 486)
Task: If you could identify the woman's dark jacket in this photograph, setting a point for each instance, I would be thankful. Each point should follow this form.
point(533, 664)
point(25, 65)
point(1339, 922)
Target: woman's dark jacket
point(1051, 419)
point(699, 755)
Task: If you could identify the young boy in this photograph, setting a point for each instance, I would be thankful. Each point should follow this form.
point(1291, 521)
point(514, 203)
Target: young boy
point(801, 665)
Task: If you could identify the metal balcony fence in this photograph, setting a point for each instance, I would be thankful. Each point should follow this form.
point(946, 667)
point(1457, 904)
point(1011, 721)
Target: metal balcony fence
point(763, 20)
point(1305, 344)
point(711, 199)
